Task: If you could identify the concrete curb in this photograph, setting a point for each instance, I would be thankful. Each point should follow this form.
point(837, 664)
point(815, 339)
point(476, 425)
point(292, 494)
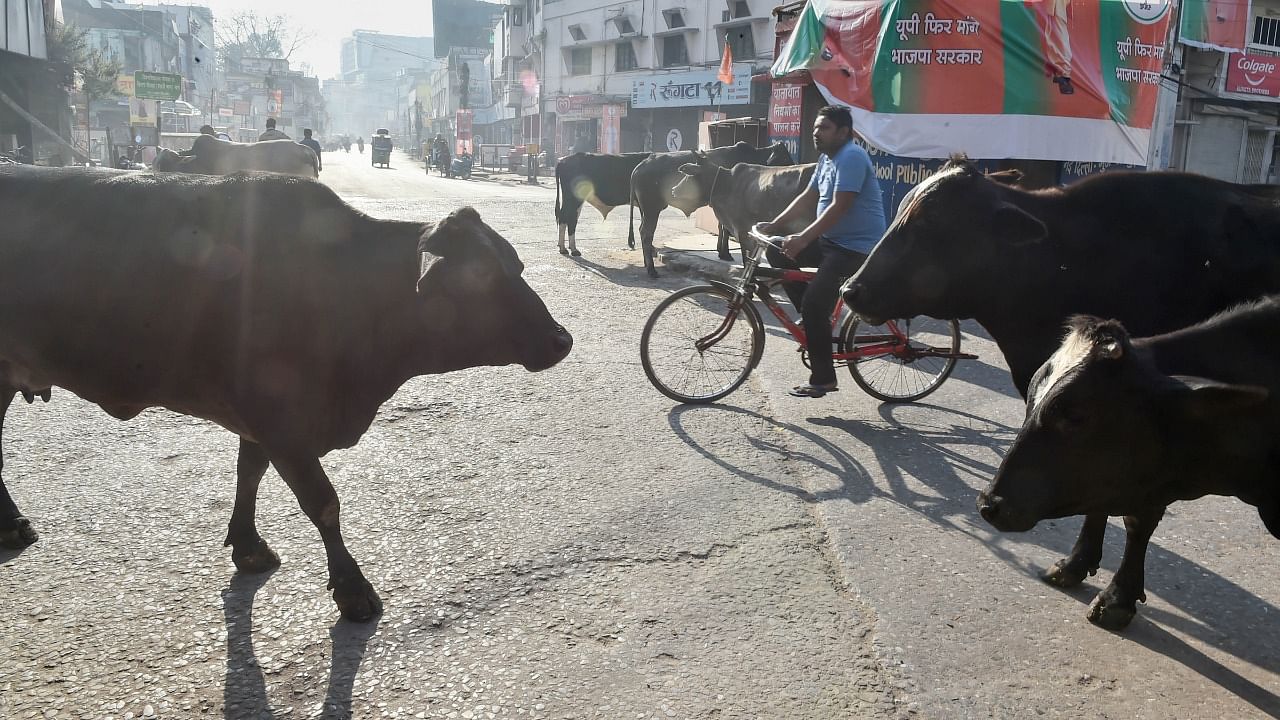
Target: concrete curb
point(697, 263)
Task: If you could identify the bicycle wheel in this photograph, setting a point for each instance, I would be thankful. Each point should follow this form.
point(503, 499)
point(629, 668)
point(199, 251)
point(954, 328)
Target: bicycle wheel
point(910, 371)
point(670, 352)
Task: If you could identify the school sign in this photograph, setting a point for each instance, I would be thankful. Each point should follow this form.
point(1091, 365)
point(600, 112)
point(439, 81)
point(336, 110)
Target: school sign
point(1045, 79)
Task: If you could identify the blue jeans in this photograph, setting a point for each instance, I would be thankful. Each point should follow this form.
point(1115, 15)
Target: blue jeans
point(816, 299)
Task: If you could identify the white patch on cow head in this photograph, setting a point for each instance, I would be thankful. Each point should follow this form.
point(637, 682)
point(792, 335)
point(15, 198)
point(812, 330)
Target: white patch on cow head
point(1073, 352)
point(919, 191)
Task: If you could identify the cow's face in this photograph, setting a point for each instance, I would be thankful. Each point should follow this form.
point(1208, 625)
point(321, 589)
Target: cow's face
point(166, 160)
point(472, 294)
point(946, 251)
point(1100, 423)
point(689, 189)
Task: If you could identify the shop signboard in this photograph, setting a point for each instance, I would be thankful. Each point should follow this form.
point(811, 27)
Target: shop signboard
point(1257, 75)
point(573, 108)
point(1060, 80)
point(698, 88)
point(463, 121)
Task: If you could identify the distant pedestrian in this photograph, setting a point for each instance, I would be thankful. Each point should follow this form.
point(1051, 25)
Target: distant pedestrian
point(313, 144)
point(272, 133)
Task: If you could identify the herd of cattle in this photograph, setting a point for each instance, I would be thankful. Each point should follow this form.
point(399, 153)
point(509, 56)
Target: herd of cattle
point(267, 305)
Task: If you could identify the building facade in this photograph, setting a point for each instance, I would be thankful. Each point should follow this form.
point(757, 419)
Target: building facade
point(33, 103)
point(637, 75)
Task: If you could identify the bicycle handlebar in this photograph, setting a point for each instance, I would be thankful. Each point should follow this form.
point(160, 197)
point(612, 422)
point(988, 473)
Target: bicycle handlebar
point(773, 241)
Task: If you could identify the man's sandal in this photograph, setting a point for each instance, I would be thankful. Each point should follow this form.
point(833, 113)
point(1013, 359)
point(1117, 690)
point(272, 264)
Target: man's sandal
point(812, 391)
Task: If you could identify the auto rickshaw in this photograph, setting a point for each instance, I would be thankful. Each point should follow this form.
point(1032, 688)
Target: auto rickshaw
point(380, 145)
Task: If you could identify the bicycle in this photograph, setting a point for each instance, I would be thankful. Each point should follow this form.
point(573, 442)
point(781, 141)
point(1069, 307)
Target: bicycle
point(702, 342)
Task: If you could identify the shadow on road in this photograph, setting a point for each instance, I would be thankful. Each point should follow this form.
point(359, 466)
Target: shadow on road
point(245, 691)
point(1223, 615)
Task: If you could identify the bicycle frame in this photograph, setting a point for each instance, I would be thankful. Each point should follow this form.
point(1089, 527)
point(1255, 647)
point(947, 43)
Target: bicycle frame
point(747, 287)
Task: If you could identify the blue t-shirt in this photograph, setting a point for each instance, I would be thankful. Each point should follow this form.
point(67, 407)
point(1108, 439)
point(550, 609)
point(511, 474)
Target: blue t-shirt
point(851, 171)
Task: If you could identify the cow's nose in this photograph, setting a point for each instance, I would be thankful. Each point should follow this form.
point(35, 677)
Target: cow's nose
point(562, 341)
point(851, 292)
point(989, 507)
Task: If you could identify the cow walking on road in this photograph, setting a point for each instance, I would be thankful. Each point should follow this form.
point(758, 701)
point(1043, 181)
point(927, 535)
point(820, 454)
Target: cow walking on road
point(1157, 251)
point(1126, 427)
point(260, 302)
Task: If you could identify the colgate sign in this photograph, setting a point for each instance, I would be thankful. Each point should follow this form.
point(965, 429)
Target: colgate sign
point(1253, 75)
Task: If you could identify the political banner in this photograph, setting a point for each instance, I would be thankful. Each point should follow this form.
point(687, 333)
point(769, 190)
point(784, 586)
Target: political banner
point(1215, 24)
point(1070, 80)
point(785, 106)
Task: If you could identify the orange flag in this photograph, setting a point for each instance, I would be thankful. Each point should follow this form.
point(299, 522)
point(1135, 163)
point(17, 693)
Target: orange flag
point(726, 65)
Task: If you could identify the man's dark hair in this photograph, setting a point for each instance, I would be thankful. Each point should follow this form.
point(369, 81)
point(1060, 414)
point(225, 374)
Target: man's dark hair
point(207, 130)
point(306, 132)
point(838, 115)
point(271, 122)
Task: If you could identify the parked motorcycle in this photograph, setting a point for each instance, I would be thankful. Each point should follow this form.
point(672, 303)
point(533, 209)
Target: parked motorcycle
point(461, 166)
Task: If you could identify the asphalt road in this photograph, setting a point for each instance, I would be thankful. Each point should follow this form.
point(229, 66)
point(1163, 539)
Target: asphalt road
point(571, 544)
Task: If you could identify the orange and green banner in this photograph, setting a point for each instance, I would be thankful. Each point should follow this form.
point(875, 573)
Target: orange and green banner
point(1215, 24)
point(1073, 80)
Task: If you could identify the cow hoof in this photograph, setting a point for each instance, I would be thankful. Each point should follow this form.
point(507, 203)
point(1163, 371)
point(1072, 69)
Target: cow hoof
point(19, 536)
point(727, 257)
point(259, 559)
point(356, 599)
point(1064, 575)
point(563, 251)
point(575, 253)
point(1108, 614)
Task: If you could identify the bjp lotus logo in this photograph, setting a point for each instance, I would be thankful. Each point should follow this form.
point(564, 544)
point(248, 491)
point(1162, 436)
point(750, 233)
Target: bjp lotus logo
point(1147, 12)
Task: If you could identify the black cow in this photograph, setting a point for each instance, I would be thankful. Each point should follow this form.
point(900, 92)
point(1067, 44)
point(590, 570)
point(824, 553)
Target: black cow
point(1120, 427)
point(260, 302)
point(1158, 251)
point(599, 179)
point(653, 180)
point(746, 194)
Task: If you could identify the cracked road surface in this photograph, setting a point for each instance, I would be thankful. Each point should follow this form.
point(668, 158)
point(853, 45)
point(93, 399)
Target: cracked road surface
point(570, 544)
point(560, 544)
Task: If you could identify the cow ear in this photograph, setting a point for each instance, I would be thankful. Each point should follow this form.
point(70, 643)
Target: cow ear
point(1202, 399)
point(452, 236)
point(1017, 226)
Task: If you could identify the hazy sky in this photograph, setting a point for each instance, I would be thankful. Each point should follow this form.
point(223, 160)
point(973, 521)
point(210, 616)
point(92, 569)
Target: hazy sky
point(329, 22)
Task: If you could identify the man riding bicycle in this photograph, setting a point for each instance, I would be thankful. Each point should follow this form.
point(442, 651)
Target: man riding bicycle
point(850, 221)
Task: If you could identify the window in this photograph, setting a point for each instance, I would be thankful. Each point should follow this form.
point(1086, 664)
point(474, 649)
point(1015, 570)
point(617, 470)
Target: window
point(580, 61)
point(624, 57)
point(1266, 31)
point(741, 9)
point(624, 25)
point(576, 32)
point(675, 18)
point(674, 51)
point(517, 16)
point(741, 42)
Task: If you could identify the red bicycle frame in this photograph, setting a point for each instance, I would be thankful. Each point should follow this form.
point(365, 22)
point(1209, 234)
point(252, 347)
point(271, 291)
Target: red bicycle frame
point(870, 345)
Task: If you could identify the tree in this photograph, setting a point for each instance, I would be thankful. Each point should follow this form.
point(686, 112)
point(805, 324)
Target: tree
point(68, 46)
point(248, 34)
